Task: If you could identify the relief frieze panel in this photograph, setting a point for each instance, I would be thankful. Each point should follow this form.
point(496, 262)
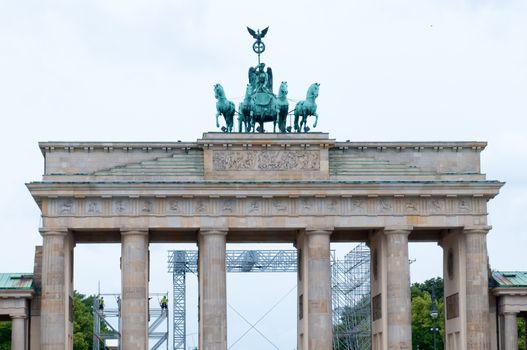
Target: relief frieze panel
point(273, 206)
point(265, 160)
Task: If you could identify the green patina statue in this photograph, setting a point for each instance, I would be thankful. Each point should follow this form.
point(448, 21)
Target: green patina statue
point(244, 111)
point(260, 105)
point(307, 108)
point(282, 107)
point(224, 107)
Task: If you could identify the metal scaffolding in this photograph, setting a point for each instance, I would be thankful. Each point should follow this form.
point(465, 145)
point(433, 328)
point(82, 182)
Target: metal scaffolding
point(350, 288)
point(107, 322)
point(181, 262)
point(351, 300)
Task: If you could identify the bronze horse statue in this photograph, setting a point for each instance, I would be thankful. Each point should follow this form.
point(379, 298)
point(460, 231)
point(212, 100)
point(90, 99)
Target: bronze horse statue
point(282, 106)
point(307, 108)
point(224, 107)
point(244, 111)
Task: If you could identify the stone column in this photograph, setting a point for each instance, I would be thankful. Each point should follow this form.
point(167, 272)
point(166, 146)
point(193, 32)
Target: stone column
point(56, 318)
point(398, 289)
point(18, 333)
point(477, 291)
point(379, 292)
point(318, 278)
point(510, 331)
point(134, 289)
point(212, 290)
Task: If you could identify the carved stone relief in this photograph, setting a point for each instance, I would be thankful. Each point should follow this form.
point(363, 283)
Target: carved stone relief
point(147, 206)
point(254, 206)
point(358, 206)
point(93, 207)
point(265, 160)
point(175, 206)
point(411, 205)
point(385, 205)
point(437, 205)
point(121, 206)
point(257, 206)
point(66, 206)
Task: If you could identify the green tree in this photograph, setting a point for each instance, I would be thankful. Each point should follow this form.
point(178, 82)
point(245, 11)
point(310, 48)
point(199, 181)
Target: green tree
point(423, 324)
point(82, 321)
point(433, 283)
point(521, 334)
point(5, 335)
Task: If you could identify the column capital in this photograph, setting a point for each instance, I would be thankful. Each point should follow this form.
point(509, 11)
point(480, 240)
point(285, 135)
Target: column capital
point(18, 316)
point(134, 231)
point(210, 231)
point(403, 229)
point(53, 231)
point(319, 231)
point(476, 229)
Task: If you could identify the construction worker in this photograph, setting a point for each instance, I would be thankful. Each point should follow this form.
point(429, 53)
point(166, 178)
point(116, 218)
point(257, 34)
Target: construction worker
point(164, 303)
point(101, 304)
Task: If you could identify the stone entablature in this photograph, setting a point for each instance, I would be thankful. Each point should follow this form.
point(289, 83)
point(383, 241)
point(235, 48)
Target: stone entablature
point(254, 157)
point(248, 180)
point(240, 205)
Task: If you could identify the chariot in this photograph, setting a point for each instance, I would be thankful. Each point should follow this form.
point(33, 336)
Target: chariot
point(260, 105)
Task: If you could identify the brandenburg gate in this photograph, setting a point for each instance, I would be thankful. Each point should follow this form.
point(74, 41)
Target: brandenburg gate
point(301, 188)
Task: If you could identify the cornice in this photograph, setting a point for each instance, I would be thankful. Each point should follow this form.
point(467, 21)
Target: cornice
point(414, 146)
point(486, 189)
point(258, 139)
point(501, 291)
point(87, 146)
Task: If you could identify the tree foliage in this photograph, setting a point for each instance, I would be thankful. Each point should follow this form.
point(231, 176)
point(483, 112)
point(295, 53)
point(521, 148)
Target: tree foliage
point(521, 334)
point(423, 324)
point(82, 321)
point(5, 335)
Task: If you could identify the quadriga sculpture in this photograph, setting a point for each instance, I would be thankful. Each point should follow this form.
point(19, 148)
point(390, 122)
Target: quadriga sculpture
point(224, 107)
point(307, 108)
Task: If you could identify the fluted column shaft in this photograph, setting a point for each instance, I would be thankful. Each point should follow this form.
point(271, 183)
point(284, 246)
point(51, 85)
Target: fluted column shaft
point(56, 287)
point(318, 278)
point(212, 290)
point(477, 289)
point(398, 288)
point(18, 333)
point(510, 336)
point(134, 289)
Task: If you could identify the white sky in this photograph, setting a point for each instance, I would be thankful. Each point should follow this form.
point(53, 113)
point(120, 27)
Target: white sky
point(143, 71)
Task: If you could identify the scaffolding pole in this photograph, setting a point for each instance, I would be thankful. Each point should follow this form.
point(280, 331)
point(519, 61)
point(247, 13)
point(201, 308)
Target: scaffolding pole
point(107, 322)
point(351, 300)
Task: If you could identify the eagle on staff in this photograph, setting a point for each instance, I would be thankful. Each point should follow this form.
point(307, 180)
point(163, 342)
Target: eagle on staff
point(258, 45)
point(257, 34)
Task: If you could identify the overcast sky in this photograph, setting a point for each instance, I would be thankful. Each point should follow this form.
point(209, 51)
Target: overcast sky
point(408, 70)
